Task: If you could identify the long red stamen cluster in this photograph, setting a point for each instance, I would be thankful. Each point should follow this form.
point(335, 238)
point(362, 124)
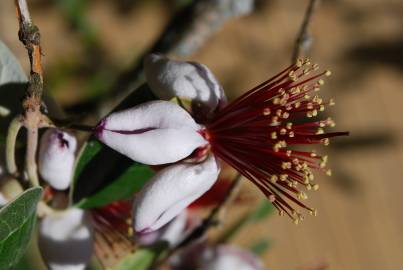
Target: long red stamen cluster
point(113, 232)
point(257, 134)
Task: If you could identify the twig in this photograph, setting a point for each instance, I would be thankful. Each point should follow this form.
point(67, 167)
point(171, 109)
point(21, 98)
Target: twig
point(211, 220)
point(189, 29)
point(304, 39)
point(32, 116)
point(12, 133)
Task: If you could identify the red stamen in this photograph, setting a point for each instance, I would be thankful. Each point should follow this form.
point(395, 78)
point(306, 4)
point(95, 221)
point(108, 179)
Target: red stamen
point(256, 132)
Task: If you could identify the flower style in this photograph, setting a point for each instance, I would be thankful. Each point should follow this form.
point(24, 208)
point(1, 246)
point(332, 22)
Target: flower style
point(56, 158)
point(66, 240)
point(258, 134)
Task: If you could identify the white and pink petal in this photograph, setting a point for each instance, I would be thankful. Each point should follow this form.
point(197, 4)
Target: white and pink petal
point(153, 133)
point(170, 191)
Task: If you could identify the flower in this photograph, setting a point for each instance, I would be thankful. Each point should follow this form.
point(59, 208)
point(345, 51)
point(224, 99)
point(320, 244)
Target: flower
point(66, 240)
point(171, 233)
point(157, 126)
point(186, 80)
point(170, 191)
point(56, 158)
point(230, 257)
point(203, 256)
point(258, 134)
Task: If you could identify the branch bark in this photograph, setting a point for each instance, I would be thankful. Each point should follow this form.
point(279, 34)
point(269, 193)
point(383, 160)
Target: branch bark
point(32, 117)
point(304, 39)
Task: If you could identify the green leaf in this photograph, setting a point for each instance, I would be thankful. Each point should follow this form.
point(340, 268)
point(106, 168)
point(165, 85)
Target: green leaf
point(260, 246)
point(17, 221)
point(141, 259)
point(103, 175)
point(262, 211)
point(129, 182)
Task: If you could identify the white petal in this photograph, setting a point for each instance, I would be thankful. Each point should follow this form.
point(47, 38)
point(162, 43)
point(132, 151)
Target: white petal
point(3, 200)
point(155, 132)
point(231, 257)
point(169, 78)
point(56, 158)
point(170, 191)
point(172, 233)
point(66, 240)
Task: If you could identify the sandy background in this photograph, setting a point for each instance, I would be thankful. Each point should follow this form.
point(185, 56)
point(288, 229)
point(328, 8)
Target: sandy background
point(360, 217)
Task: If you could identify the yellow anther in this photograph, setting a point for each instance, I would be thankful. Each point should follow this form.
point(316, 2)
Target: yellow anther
point(274, 135)
point(299, 62)
point(273, 178)
point(320, 131)
point(291, 134)
point(283, 131)
point(315, 187)
point(266, 111)
point(329, 172)
point(286, 165)
point(328, 73)
point(313, 212)
point(289, 125)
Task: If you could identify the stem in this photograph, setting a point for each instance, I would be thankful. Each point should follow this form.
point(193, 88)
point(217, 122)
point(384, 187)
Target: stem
point(302, 43)
point(12, 133)
point(30, 157)
point(32, 117)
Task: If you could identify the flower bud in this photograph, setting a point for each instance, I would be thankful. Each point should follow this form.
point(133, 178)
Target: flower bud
point(171, 233)
point(189, 80)
point(230, 257)
point(170, 191)
point(66, 240)
point(56, 158)
point(152, 133)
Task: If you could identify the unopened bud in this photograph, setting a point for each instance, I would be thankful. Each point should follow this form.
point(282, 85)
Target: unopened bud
point(56, 158)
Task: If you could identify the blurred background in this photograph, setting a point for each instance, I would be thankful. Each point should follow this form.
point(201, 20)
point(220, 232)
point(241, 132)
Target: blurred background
point(87, 45)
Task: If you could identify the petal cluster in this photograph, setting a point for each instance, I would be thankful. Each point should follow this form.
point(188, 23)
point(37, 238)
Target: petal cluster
point(66, 240)
point(170, 191)
point(56, 158)
point(187, 80)
point(153, 133)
